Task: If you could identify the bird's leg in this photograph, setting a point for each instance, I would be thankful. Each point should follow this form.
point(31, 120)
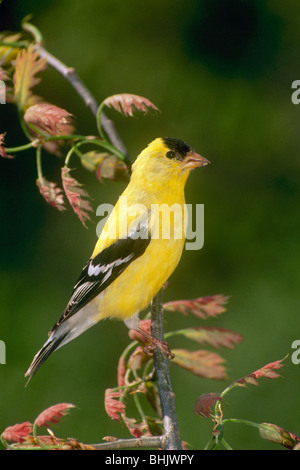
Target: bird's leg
point(155, 343)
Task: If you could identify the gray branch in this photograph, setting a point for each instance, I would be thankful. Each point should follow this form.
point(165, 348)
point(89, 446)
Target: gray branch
point(69, 74)
point(155, 441)
point(162, 367)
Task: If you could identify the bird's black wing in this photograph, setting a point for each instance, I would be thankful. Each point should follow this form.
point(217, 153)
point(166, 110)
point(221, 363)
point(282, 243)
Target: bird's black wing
point(105, 267)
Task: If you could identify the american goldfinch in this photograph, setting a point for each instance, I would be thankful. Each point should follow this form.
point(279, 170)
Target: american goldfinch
point(135, 254)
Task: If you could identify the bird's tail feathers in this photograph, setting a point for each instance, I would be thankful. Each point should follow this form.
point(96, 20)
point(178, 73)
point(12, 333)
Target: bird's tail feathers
point(51, 345)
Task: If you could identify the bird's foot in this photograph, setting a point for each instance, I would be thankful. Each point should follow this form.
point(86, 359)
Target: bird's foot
point(162, 345)
point(155, 343)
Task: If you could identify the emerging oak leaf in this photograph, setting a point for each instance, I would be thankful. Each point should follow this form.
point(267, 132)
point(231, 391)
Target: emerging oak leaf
point(205, 402)
point(48, 118)
point(202, 363)
point(7, 52)
point(121, 372)
point(18, 432)
point(136, 429)
point(27, 65)
point(105, 165)
point(2, 148)
point(137, 359)
point(267, 371)
point(276, 434)
point(112, 168)
point(51, 193)
point(78, 197)
point(127, 103)
point(113, 407)
point(53, 414)
point(202, 307)
point(92, 159)
point(215, 337)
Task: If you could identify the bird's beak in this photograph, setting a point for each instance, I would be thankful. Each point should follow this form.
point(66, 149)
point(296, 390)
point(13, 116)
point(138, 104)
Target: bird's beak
point(193, 160)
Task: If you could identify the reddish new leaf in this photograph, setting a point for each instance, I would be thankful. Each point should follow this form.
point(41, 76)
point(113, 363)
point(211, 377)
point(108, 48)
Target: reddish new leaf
point(18, 432)
point(276, 434)
point(51, 193)
point(53, 414)
point(202, 307)
point(78, 197)
point(27, 66)
point(202, 363)
point(49, 118)
point(267, 371)
point(112, 168)
point(121, 372)
point(127, 103)
point(205, 402)
point(8, 52)
point(113, 407)
point(105, 165)
point(136, 429)
point(2, 148)
point(216, 337)
point(137, 358)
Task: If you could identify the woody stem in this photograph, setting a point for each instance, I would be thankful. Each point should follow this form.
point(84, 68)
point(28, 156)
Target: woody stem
point(161, 363)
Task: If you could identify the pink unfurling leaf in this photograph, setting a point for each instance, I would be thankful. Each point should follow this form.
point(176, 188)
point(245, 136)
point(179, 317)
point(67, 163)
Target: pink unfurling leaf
point(49, 118)
point(53, 414)
point(113, 407)
point(17, 432)
point(121, 371)
point(127, 103)
point(2, 148)
point(78, 197)
point(205, 402)
point(201, 363)
point(136, 429)
point(267, 371)
point(202, 307)
point(215, 337)
point(51, 193)
point(137, 358)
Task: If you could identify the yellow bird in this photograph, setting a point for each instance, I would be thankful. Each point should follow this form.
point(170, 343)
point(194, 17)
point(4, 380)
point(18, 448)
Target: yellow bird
point(138, 249)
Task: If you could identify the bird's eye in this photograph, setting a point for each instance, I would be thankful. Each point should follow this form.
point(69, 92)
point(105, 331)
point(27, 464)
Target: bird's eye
point(170, 154)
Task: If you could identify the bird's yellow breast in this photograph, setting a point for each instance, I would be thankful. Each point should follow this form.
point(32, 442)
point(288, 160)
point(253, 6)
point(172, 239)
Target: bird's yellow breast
point(133, 290)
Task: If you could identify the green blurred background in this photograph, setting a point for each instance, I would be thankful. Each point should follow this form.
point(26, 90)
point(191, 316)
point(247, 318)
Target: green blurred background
point(221, 73)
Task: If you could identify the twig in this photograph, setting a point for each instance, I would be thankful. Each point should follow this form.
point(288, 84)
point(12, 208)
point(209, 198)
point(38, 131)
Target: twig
point(154, 441)
point(69, 74)
point(166, 394)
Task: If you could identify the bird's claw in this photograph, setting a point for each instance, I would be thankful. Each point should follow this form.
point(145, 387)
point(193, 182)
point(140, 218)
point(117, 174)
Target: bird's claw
point(162, 345)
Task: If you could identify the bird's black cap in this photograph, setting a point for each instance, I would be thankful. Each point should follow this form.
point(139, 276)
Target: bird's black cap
point(177, 145)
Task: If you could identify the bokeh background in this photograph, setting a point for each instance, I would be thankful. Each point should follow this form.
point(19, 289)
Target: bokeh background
point(221, 73)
